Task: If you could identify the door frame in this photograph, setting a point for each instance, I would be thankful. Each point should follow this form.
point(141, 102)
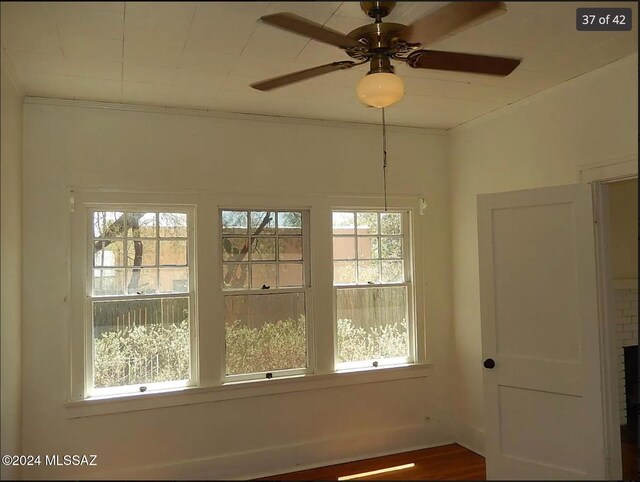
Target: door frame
point(599, 176)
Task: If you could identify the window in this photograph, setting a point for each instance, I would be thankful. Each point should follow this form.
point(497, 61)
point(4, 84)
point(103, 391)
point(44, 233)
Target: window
point(371, 277)
point(265, 281)
point(139, 325)
point(140, 299)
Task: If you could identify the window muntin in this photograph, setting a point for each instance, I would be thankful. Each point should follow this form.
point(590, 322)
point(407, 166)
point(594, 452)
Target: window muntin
point(140, 301)
point(262, 249)
point(368, 247)
point(373, 291)
point(265, 288)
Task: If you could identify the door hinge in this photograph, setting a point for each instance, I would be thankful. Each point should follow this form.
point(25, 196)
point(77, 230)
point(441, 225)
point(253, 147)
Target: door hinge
point(72, 202)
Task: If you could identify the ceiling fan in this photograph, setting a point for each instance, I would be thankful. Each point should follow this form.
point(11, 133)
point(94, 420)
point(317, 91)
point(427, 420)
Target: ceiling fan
point(381, 42)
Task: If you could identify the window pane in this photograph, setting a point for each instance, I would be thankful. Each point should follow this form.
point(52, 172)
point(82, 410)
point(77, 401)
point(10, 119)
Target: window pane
point(290, 249)
point(141, 225)
point(142, 280)
point(344, 272)
point(174, 280)
point(368, 271)
point(344, 247)
point(263, 249)
point(173, 253)
point(140, 341)
point(390, 223)
point(392, 272)
point(235, 275)
point(391, 247)
point(290, 274)
point(263, 274)
point(367, 223)
point(264, 332)
point(368, 247)
point(289, 223)
point(235, 249)
point(343, 223)
point(108, 224)
point(108, 282)
point(263, 222)
point(172, 225)
point(108, 253)
point(372, 323)
point(234, 222)
point(141, 252)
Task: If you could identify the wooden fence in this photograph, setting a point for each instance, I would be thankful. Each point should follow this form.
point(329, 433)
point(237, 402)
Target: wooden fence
point(372, 307)
point(118, 315)
point(365, 307)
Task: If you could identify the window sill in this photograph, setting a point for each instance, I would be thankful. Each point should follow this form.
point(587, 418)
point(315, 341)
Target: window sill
point(243, 389)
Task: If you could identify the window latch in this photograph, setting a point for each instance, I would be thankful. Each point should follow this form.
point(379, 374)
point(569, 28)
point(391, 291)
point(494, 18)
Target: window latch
point(370, 283)
point(265, 287)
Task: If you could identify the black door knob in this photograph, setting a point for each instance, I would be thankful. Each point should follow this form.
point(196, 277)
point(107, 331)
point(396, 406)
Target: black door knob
point(489, 363)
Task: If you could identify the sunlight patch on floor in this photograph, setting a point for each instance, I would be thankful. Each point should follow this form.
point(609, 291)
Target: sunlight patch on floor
point(376, 472)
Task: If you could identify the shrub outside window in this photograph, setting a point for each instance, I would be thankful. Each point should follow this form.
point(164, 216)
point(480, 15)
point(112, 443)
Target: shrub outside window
point(373, 291)
point(265, 284)
point(140, 298)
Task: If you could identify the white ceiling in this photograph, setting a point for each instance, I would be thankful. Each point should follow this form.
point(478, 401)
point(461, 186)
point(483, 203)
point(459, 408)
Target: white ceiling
point(205, 54)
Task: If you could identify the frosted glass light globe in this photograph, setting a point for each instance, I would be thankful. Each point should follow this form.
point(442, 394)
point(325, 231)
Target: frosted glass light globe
point(380, 89)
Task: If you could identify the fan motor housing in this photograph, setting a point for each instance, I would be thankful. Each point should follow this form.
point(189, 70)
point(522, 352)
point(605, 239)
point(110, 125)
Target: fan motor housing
point(378, 36)
point(377, 9)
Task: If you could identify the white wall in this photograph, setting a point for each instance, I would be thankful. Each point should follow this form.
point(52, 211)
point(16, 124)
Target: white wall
point(538, 142)
point(72, 145)
point(623, 229)
point(11, 270)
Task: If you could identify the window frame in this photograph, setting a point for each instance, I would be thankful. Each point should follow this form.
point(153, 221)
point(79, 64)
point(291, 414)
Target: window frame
point(306, 288)
point(209, 383)
point(82, 205)
point(90, 298)
point(409, 283)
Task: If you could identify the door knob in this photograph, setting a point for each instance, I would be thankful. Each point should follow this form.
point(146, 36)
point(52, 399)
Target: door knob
point(489, 363)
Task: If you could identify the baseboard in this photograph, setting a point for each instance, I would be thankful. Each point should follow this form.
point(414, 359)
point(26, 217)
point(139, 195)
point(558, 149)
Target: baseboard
point(291, 458)
point(471, 438)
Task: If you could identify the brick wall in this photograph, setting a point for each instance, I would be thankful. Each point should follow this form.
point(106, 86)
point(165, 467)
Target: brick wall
point(626, 318)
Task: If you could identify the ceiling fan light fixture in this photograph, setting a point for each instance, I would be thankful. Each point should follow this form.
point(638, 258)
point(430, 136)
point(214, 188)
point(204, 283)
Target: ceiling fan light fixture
point(380, 89)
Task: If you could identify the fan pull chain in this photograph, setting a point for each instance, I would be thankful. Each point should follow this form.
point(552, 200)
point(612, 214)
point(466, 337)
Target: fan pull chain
point(384, 158)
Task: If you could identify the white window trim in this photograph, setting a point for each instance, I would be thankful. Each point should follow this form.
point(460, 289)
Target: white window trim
point(208, 271)
point(246, 389)
point(81, 339)
point(306, 288)
point(408, 284)
point(86, 208)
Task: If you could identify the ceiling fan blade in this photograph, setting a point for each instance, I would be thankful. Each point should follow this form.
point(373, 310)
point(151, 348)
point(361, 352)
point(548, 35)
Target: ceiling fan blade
point(307, 28)
point(477, 64)
point(451, 18)
point(302, 75)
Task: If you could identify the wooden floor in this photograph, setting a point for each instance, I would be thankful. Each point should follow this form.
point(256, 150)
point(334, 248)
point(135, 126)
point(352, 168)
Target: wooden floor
point(630, 461)
point(449, 462)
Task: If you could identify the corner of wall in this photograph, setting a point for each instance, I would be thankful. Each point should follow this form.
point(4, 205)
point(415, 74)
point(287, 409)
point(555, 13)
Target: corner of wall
point(11, 267)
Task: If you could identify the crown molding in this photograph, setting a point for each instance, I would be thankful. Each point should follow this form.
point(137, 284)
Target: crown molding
point(244, 116)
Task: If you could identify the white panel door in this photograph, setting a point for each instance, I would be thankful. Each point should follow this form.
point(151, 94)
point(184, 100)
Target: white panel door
point(539, 307)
